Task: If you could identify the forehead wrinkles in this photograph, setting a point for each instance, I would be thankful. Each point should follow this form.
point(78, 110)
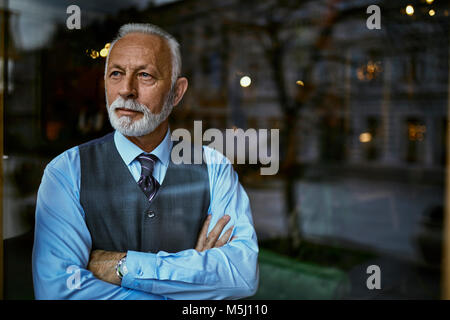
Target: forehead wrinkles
point(130, 54)
point(137, 47)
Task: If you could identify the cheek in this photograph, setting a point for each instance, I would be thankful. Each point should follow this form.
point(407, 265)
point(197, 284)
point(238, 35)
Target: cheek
point(111, 94)
point(154, 99)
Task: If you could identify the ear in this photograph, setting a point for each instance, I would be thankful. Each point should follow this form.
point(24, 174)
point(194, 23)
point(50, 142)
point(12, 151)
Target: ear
point(181, 86)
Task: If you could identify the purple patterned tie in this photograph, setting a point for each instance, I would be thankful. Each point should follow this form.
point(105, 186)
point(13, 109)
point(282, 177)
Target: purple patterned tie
point(147, 182)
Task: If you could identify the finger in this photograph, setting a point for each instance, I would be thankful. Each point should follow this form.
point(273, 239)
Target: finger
point(216, 231)
point(224, 238)
point(201, 240)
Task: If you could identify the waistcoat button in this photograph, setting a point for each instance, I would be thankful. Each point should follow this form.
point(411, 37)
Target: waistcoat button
point(150, 214)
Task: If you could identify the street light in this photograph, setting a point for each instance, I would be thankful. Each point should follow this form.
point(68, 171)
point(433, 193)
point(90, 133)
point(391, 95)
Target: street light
point(409, 10)
point(245, 81)
point(365, 137)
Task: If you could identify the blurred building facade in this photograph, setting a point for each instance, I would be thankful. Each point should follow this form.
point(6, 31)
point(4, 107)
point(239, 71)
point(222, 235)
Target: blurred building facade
point(367, 97)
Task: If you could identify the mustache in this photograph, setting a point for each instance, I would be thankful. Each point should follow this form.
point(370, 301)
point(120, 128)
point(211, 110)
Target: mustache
point(130, 104)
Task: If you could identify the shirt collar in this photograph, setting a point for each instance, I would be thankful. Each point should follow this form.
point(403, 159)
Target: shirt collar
point(129, 151)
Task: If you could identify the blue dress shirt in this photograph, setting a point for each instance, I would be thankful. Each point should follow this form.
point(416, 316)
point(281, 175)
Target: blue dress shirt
point(62, 243)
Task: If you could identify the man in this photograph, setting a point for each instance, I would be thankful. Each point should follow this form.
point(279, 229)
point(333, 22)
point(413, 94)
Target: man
point(116, 218)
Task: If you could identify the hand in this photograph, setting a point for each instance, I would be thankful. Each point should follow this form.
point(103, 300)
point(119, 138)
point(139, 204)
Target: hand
point(205, 241)
point(103, 265)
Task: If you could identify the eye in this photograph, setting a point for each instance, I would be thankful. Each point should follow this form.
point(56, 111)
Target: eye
point(114, 74)
point(145, 75)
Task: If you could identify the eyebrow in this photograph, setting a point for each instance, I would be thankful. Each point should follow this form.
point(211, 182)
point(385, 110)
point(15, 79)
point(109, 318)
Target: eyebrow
point(141, 67)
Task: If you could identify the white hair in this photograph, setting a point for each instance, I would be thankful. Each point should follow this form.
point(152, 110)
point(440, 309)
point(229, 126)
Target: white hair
point(147, 28)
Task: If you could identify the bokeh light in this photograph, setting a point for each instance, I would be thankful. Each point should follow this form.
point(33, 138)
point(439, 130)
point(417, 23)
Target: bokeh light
point(245, 81)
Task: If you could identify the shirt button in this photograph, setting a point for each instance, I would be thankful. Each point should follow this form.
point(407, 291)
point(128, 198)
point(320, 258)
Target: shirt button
point(150, 214)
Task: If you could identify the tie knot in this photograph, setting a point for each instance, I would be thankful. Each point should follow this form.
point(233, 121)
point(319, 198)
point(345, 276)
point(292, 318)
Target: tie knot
point(147, 163)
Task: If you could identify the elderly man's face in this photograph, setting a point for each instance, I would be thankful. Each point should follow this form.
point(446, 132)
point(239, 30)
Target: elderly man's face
point(139, 68)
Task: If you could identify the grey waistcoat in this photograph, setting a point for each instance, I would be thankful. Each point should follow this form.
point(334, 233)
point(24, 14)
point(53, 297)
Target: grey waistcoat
point(119, 216)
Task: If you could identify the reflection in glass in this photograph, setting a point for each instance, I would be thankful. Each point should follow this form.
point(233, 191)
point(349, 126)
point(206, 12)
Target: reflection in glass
point(362, 117)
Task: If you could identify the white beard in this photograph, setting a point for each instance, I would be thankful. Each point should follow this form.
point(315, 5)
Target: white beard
point(147, 124)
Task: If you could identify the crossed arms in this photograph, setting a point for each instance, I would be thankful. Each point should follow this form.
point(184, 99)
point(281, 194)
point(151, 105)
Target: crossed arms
point(215, 269)
point(103, 263)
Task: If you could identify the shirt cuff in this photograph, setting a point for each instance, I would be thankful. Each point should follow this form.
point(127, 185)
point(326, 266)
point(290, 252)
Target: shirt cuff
point(140, 265)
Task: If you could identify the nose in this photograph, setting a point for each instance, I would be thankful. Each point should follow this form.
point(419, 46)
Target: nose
point(128, 89)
